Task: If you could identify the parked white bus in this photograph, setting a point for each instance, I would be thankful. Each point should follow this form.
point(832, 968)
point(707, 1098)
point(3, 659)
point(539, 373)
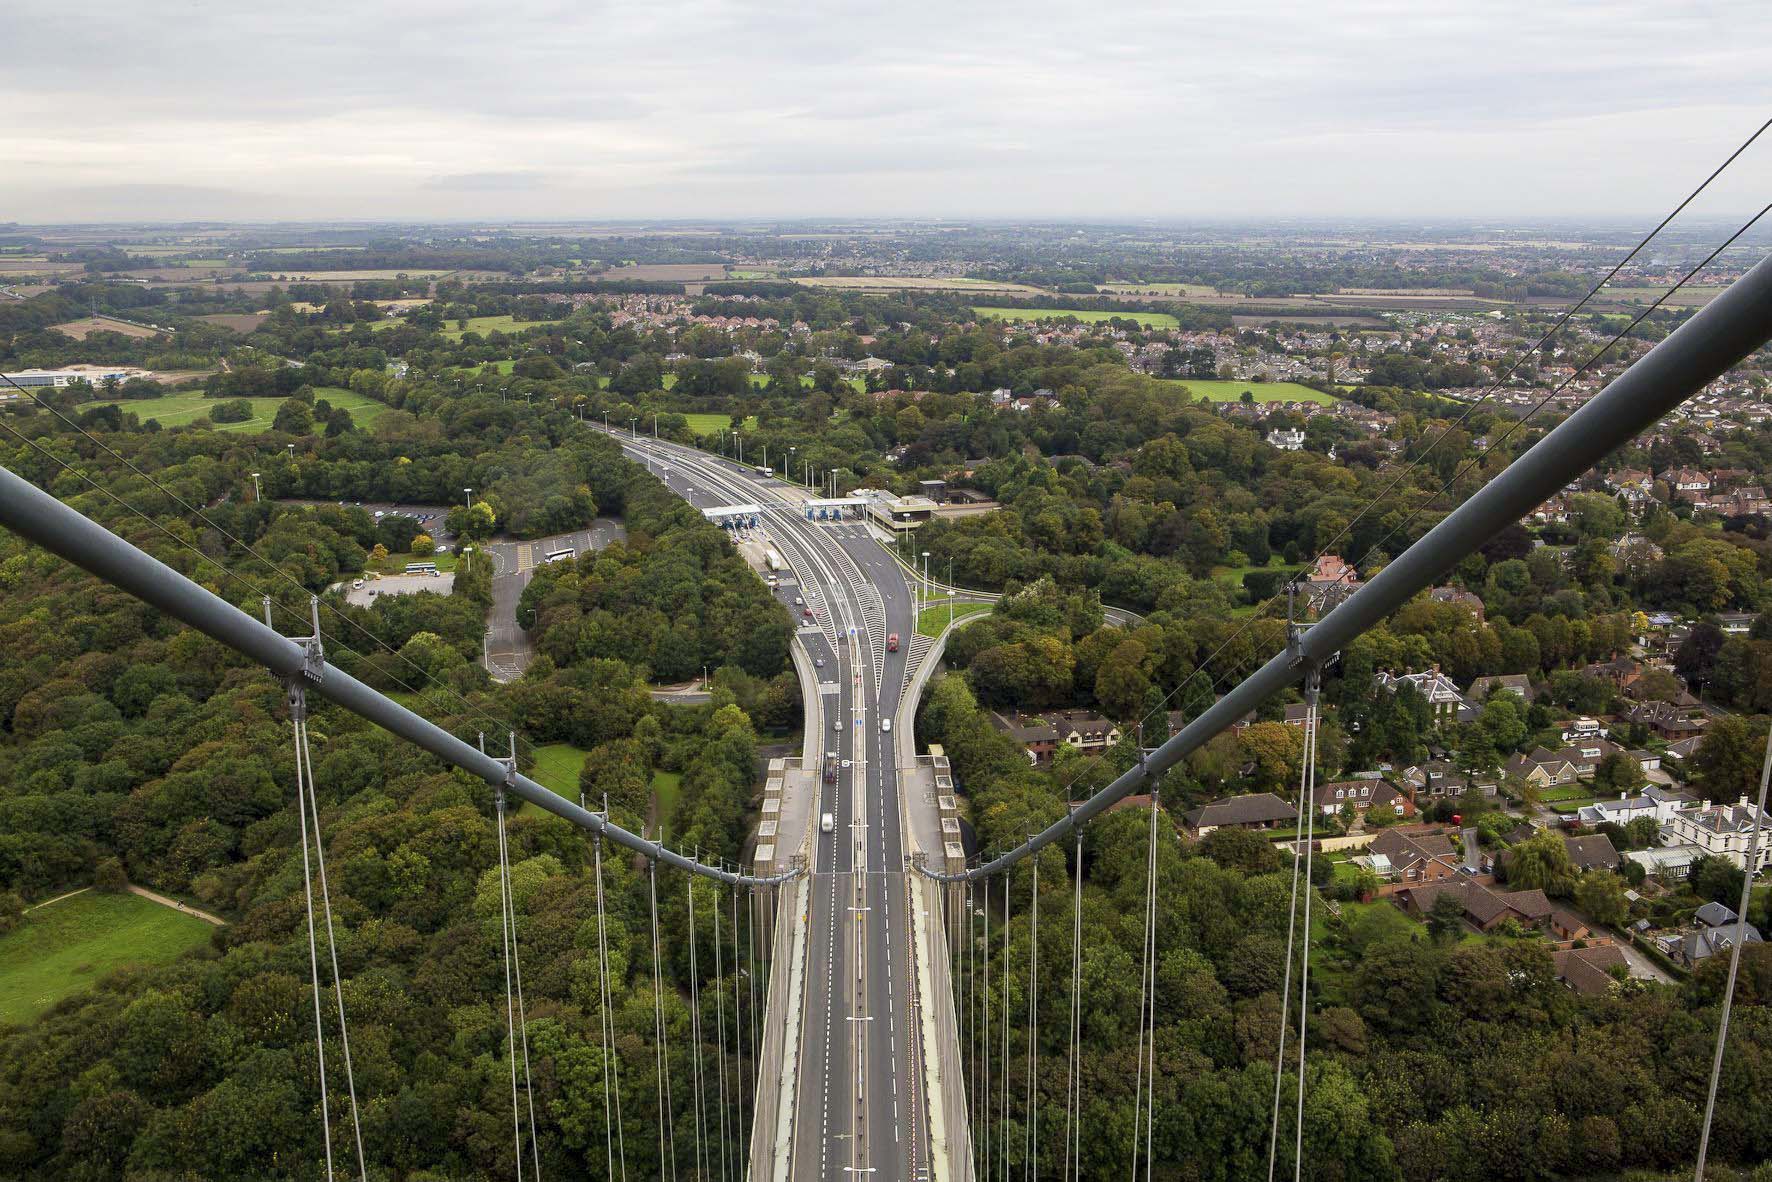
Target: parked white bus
point(566, 555)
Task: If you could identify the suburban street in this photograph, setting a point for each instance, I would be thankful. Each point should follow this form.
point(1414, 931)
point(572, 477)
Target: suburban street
point(859, 1105)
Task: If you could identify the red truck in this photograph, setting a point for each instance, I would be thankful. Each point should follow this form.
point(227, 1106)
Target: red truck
point(892, 643)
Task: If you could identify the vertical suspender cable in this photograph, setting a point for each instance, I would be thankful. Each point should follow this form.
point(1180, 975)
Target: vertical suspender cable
point(1073, 1080)
point(695, 1041)
point(338, 985)
point(307, 885)
point(720, 1030)
point(658, 1047)
point(504, 934)
point(1150, 1066)
point(612, 1131)
point(738, 1045)
point(1747, 885)
point(522, 1014)
point(1304, 802)
point(1031, 1168)
point(1304, 962)
point(1003, 1129)
point(984, 1096)
point(751, 950)
point(1147, 986)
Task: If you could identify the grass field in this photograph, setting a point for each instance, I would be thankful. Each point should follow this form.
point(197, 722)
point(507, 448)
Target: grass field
point(487, 324)
point(502, 367)
point(70, 945)
point(177, 410)
point(707, 424)
point(1147, 319)
point(1158, 289)
point(1233, 575)
point(557, 766)
point(931, 620)
point(1222, 391)
point(79, 329)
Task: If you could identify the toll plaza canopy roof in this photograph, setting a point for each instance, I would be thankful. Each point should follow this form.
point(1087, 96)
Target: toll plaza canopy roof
point(837, 503)
point(722, 511)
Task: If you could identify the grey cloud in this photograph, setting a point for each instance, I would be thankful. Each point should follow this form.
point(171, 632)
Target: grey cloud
point(688, 108)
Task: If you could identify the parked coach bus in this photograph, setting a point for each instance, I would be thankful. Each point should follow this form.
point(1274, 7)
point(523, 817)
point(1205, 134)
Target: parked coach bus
point(566, 555)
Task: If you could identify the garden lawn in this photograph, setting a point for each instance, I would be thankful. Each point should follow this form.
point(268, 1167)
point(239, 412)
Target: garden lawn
point(68, 946)
point(1214, 390)
point(1087, 316)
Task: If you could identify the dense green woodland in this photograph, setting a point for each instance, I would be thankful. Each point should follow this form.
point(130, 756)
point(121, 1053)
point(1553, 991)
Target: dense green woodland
point(133, 745)
point(125, 738)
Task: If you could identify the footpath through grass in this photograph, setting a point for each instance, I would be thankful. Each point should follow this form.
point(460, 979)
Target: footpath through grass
point(68, 946)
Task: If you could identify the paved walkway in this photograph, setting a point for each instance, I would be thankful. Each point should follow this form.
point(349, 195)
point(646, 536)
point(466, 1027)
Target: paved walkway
point(145, 893)
point(58, 898)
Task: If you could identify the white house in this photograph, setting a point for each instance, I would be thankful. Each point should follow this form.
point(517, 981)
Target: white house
point(1724, 830)
point(1286, 438)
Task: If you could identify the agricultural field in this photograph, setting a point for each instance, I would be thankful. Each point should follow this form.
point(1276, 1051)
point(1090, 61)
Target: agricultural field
point(1183, 290)
point(918, 283)
point(239, 322)
point(1214, 390)
point(71, 945)
point(1087, 316)
point(177, 410)
point(87, 325)
point(488, 324)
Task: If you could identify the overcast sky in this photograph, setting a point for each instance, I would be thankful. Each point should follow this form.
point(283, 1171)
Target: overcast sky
point(124, 109)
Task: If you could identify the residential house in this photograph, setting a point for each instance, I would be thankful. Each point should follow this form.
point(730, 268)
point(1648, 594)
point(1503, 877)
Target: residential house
point(1541, 767)
point(1688, 484)
point(1286, 438)
point(1361, 795)
point(1714, 933)
point(1724, 831)
point(1414, 855)
point(1621, 671)
point(1668, 722)
point(1511, 683)
point(1662, 804)
point(1443, 699)
point(1254, 810)
point(1041, 735)
point(1330, 582)
point(1592, 851)
point(1736, 623)
point(1592, 971)
point(1486, 909)
point(1459, 596)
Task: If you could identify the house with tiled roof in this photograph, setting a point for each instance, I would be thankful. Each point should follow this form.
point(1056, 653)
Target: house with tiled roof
point(1360, 795)
point(1593, 971)
point(1725, 831)
point(1414, 856)
point(1443, 699)
point(1254, 810)
point(1512, 683)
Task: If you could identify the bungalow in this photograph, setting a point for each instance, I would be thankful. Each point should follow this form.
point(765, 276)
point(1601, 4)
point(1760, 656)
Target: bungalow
point(1254, 810)
point(1592, 971)
point(1593, 851)
point(1736, 623)
point(1487, 909)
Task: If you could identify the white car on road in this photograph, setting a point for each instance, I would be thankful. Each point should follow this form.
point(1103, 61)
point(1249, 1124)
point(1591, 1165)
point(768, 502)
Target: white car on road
point(885, 724)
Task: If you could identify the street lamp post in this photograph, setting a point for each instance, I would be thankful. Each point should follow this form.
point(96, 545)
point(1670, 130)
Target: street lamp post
point(470, 493)
point(928, 591)
point(950, 591)
point(255, 493)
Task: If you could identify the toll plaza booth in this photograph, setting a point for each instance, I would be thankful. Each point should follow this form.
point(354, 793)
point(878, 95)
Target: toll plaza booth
point(901, 513)
point(833, 509)
point(734, 516)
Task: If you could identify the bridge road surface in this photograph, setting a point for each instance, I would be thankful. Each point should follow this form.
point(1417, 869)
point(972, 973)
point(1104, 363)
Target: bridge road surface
point(859, 1105)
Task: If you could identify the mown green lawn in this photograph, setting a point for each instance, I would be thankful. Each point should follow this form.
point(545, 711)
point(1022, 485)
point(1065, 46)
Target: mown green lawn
point(177, 410)
point(1087, 316)
point(931, 620)
point(489, 324)
point(1215, 390)
point(68, 946)
point(709, 424)
point(1233, 575)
